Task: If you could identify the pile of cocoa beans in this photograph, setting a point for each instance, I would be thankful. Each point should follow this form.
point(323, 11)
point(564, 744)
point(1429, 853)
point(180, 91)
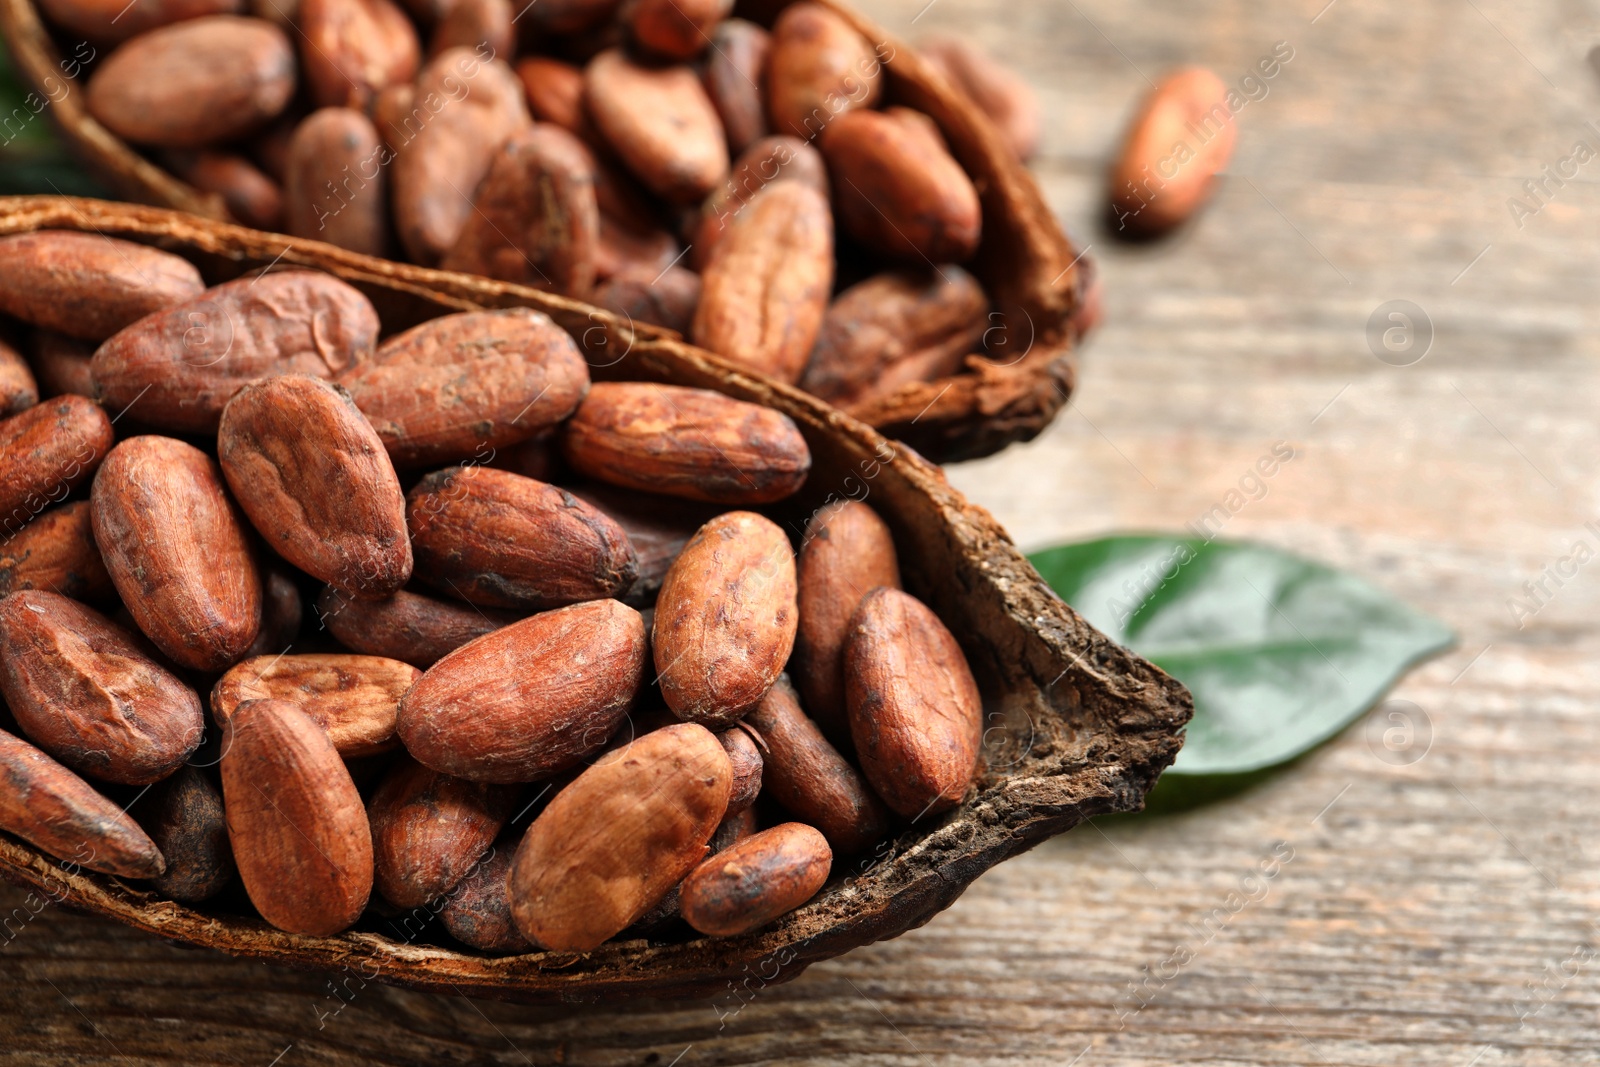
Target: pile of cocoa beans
point(747, 188)
point(602, 647)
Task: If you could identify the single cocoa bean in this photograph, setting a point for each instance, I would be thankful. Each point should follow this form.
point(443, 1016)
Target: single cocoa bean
point(83, 690)
point(110, 22)
point(281, 614)
point(336, 182)
point(18, 390)
point(771, 159)
point(312, 474)
point(531, 699)
point(691, 443)
point(478, 911)
point(183, 816)
point(295, 821)
point(86, 285)
point(762, 877)
point(354, 699)
point(657, 527)
point(818, 68)
point(249, 195)
point(675, 29)
point(353, 49)
point(668, 299)
point(555, 95)
point(735, 70)
point(407, 626)
point(915, 712)
point(745, 758)
point(430, 830)
point(611, 844)
point(660, 122)
point(997, 91)
point(61, 364)
point(1144, 199)
point(56, 551)
point(46, 452)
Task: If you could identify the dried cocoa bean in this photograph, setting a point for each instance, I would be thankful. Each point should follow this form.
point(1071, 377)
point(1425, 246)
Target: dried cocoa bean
point(408, 627)
point(353, 49)
point(675, 29)
point(18, 390)
point(998, 92)
point(336, 183)
point(657, 527)
point(88, 286)
point(762, 877)
point(819, 67)
point(183, 816)
point(249, 195)
point(485, 26)
point(430, 830)
point(735, 70)
point(1144, 199)
point(745, 759)
point(478, 911)
point(355, 699)
point(668, 299)
point(768, 160)
point(46, 452)
point(61, 364)
point(660, 122)
point(56, 551)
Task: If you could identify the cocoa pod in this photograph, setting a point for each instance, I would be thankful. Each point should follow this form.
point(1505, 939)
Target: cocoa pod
point(61, 364)
point(295, 821)
point(500, 540)
point(1185, 121)
point(56, 551)
point(612, 844)
point(768, 160)
point(668, 299)
point(46, 452)
point(846, 553)
point(915, 713)
point(897, 189)
point(531, 699)
point(536, 221)
point(353, 49)
point(485, 26)
point(725, 620)
point(354, 699)
point(675, 29)
point(249, 195)
point(429, 830)
point(177, 550)
point(691, 443)
point(809, 777)
point(408, 627)
point(181, 365)
point(183, 816)
point(766, 288)
point(194, 83)
point(997, 91)
point(478, 911)
point(83, 690)
point(818, 68)
point(18, 390)
point(88, 286)
point(735, 70)
point(462, 385)
point(110, 22)
point(336, 182)
point(555, 95)
point(893, 329)
point(465, 108)
point(745, 759)
point(312, 474)
point(762, 877)
point(281, 614)
point(48, 806)
point(661, 124)
point(657, 527)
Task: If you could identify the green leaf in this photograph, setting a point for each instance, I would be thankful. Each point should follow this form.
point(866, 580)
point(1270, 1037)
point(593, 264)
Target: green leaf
point(1280, 653)
point(32, 159)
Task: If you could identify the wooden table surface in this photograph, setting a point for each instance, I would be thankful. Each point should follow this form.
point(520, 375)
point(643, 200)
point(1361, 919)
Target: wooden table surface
point(1431, 904)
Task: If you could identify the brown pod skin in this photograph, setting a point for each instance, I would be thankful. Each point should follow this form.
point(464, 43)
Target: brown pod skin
point(555, 95)
point(531, 699)
point(675, 29)
point(312, 474)
point(1144, 200)
point(896, 328)
point(45, 453)
point(177, 549)
point(915, 712)
point(429, 830)
point(481, 25)
point(336, 182)
point(504, 541)
point(897, 189)
point(999, 93)
point(183, 364)
point(282, 611)
point(352, 49)
point(110, 22)
point(612, 844)
point(88, 286)
point(48, 806)
point(463, 386)
point(354, 699)
point(61, 364)
point(657, 527)
point(725, 620)
point(735, 71)
point(478, 910)
point(296, 823)
point(464, 109)
point(183, 816)
point(809, 777)
point(18, 390)
point(660, 122)
point(745, 758)
point(536, 221)
point(767, 285)
point(56, 551)
point(846, 553)
point(768, 160)
point(82, 689)
point(691, 443)
point(250, 196)
point(668, 299)
point(194, 83)
point(818, 68)
point(409, 627)
point(762, 877)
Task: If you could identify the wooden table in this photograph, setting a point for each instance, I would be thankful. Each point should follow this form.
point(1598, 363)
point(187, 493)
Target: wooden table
point(1433, 904)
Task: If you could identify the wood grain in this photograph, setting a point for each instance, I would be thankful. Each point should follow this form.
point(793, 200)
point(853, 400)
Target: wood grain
point(1426, 916)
